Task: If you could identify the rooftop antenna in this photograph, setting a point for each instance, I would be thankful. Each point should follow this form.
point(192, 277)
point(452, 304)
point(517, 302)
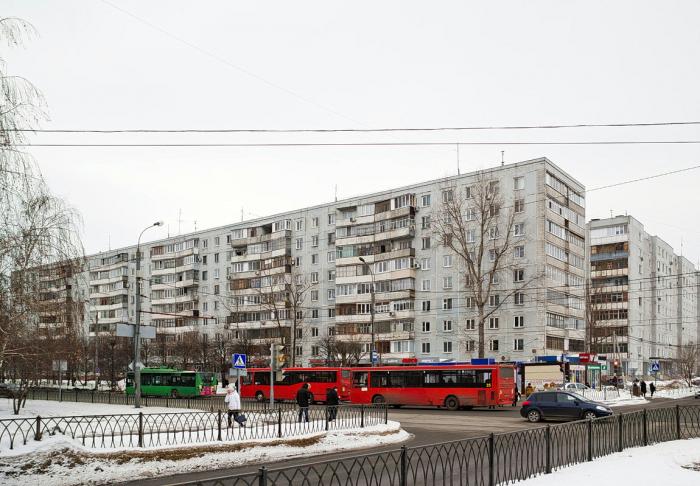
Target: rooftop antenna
point(195, 225)
point(503, 153)
point(109, 242)
point(179, 220)
point(458, 173)
point(336, 193)
point(611, 213)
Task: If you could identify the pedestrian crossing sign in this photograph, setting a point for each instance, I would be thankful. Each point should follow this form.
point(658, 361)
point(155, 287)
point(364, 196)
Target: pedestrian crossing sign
point(239, 361)
point(655, 367)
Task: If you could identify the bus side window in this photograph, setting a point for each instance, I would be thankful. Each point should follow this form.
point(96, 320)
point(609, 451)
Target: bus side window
point(359, 379)
point(379, 379)
point(145, 379)
point(155, 380)
point(248, 379)
point(188, 379)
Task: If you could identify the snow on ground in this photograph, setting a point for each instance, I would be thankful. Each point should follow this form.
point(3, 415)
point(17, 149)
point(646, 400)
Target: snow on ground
point(668, 463)
point(59, 461)
point(681, 392)
point(69, 409)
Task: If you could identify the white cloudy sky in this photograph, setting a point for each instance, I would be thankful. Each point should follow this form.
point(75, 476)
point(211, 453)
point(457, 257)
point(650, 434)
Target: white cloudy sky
point(361, 64)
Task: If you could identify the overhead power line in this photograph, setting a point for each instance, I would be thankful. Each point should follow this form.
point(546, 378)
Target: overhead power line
point(357, 130)
point(363, 144)
point(645, 178)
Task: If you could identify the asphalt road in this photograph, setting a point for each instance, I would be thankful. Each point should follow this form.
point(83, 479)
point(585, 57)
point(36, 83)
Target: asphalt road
point(428, 426)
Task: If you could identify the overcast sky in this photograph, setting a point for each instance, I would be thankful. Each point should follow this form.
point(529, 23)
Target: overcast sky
point(361, 64)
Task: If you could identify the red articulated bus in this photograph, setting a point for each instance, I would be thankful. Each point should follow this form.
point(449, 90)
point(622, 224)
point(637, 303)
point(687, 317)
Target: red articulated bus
point(452, 387)
point(257, 383)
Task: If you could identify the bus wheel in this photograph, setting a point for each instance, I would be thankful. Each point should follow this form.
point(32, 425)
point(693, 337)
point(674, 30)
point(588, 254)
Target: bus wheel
point(451, 403)
point(259, 396)
point(173, 394)
point(378, 399)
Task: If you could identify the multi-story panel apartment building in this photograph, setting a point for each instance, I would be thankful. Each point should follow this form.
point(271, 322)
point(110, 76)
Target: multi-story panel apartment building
point(640, 295)
point(302, 276)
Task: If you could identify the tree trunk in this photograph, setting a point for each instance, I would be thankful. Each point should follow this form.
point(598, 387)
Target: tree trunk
point(482, 333)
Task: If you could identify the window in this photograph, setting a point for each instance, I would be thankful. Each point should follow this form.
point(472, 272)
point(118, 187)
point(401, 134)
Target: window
point(299, 242)
point(447, 261)
point(495, 279)
point(519, 321)
point(470, 325)
point(331, 294)
point(425, 202)
point(518, 275)
point(518, 183)
point(216, 241)
point(471, 236)
point(425, 242)
point(216, 258)
point(331, 256)
point(314, 258)
point(205, 243)
point(447, 347)
point(493, 345)
point(205, 274)
point(299, 224)
point(425, 285)
point(425, 326)
point(471, 214)
point(331, 275)
point(331, 314)
point(468, 192)
point(314, 241)
point(519, 298)
point(314, 277)
point(314, 295)
point(446, 304)
point(425, 348)
point(314, 332)
point(216, 305)
point(493, 232)
point(446, 282)
point(447, 326)
point(494, 300)
point(314, 313)
point(205, 307)
point(314, 222)
point(300, 351)
point(216, 290)
point(447, 196)
point(297, 261)
point(492, 255)
point(470, 345)
point(216, 273)
point(204, 260)
point(425, 222)
point(425, 305)
point(519, 205)
point(518, 344)
point(519, 251)
point(519, 229)
point(425, 263)
point(493, 322)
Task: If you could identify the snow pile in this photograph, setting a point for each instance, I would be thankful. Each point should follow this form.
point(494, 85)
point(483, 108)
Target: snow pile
point(674, 463)
point(612, 398)
point(58, 460)
point(680, 392)
point(71, 409)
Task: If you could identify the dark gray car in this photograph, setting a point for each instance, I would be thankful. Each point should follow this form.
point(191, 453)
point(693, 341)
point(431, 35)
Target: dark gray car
point(561, 406)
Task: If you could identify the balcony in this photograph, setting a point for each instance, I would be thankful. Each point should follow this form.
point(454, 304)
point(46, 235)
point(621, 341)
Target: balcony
point(616, 272)
point(615, 255)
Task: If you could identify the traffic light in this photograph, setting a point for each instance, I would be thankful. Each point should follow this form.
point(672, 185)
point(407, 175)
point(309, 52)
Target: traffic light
point(278, 358)
point(616, 366)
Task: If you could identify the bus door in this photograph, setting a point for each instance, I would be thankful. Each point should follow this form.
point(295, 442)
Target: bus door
point(344, 384)
point(360, 393)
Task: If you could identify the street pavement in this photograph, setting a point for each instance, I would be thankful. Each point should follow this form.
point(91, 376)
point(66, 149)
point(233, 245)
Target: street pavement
point(428, 426)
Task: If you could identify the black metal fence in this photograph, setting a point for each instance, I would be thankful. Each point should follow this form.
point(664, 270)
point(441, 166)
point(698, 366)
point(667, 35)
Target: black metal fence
point(486, 461)
point(210, 403)
point(181, 428)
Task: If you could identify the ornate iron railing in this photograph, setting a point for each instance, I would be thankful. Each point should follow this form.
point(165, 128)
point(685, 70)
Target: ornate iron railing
point(182, 428)
point(485, 461)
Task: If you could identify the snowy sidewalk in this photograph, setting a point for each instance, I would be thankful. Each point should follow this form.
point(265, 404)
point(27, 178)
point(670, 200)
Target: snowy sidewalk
point(668, 463)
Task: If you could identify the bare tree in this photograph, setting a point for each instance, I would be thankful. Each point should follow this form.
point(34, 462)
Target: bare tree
point(475, 224)
point(688, 359)
point(336, 352)
point(38, 231)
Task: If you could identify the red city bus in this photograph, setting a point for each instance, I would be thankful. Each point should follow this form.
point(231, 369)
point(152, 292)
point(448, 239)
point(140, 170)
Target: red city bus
point(257, 383)
point(450, 386)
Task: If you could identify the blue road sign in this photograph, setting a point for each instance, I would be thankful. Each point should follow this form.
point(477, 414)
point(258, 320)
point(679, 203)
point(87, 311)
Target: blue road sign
point(655, 367)
point(239, 361)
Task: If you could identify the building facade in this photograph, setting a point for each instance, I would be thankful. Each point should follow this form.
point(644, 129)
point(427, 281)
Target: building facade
point(303, 276)
point(643, 297)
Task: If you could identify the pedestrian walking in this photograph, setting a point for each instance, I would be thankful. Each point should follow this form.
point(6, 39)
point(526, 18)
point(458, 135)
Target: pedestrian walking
point(529, 389)
point(643, 388)
point(332, 401)
point(516, 396)
point(652, 389)
point(233, 400)
point(303, 399)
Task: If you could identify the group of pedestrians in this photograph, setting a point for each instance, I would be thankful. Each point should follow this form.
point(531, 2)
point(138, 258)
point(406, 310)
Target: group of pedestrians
point(640, 388)
point(303, 399)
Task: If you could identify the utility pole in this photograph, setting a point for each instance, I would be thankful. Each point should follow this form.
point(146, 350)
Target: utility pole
point(137, 326)
point(97, 366)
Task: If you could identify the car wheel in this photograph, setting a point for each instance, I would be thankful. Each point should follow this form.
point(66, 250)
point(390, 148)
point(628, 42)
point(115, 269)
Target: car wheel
point(589, 415)
point(378, 399)
point(451, 403)
point(534, 416)
point(259, 396)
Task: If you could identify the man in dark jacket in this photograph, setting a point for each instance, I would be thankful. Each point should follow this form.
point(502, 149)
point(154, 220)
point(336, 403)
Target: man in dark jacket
point(643, 388)
point(303, 399)
point(332, 402)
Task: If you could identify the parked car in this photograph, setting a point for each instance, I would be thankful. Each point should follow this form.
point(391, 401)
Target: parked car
point(574, 387)
point(561, 405)
point(7, 390)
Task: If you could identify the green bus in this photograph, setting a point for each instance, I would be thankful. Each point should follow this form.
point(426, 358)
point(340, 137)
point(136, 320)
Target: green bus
point(168, 382)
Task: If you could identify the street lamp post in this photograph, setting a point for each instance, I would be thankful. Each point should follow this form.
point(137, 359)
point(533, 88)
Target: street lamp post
point(371, 312)
point(137, 326)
